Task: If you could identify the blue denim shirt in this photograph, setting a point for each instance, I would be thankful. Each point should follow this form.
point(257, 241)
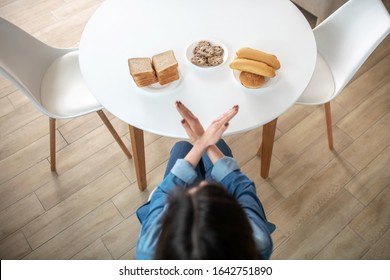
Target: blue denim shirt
point(227, 173)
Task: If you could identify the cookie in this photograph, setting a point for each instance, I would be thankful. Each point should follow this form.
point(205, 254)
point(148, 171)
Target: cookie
point(200, 44)
point(218, 50)
point(214, 60)
point(199, 60)
point(206, 51)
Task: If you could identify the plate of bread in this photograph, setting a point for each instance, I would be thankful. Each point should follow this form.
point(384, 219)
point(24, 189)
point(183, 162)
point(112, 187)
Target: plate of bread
point(255, 69)
point(206, 54)
point(159, 73)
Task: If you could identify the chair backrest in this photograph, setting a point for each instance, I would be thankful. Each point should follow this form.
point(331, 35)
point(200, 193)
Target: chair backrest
point(348, 36)
point(24, 59)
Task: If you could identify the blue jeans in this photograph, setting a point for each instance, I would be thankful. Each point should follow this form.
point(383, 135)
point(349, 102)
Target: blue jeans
point(204, 167)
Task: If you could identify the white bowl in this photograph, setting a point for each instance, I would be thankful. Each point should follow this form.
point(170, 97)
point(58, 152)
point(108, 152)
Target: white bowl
point(190, 53)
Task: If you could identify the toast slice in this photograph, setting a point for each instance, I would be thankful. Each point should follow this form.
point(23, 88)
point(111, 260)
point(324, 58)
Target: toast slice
point(142, 71)
point(163, 62)
point(140, 66)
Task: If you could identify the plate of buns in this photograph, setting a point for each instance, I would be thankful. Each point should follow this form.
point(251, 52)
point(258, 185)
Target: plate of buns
point(159, 73)
point(206, 54)
point(255, 69)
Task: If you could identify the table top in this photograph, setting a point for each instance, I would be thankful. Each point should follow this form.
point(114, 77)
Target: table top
point(121, 29)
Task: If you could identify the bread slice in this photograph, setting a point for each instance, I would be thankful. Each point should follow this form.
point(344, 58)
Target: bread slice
point(169, 79)
point(140, 65)
point(142, 71)
point(164, 62)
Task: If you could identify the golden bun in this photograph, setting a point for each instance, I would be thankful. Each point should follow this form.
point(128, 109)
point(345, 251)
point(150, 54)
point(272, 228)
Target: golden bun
point(258, 55)
point(250, 80)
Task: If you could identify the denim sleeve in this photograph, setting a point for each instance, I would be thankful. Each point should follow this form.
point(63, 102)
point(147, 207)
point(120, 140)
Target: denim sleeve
point(223, 167)
point(184, 170)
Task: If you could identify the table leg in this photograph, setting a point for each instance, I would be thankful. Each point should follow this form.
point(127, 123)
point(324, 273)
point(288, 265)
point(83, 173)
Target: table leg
point(138, 145)
point(267, 146)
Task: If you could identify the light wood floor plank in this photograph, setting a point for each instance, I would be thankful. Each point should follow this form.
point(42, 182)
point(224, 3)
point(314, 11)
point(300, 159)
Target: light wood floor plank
point(26, 158)
point(362, 87)
point(65, 184)
point(381, 250)
point(18, 99)
point(320, 229)
point(310, 162)
point(372, 180)
point(6, 87)
point(95, 251)
point(16, 140)
point(374, 221)
point(20, 12)
point(295, 211)
point(74, 208)
point(368, 112)
point(294, 116)
point(5, 106)
point(14, 247)
point(130, 255)
point(80, 235)
point(25, 209)
point(377, 138)
point(71, 8)
point(123, 237)
point(347, 245)
point(25, 183)
point(293, 143)
point(18, 118)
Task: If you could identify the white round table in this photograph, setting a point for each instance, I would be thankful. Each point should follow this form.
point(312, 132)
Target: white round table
point(121, 29)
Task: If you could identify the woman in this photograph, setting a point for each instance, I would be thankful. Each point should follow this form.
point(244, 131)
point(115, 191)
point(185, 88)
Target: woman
point(205, 208)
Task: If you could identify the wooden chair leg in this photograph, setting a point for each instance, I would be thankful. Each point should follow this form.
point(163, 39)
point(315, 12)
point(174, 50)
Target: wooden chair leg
point(138, 144)
point(328, 115)
point(52, 125)
point(114, 133)
point(267, 145)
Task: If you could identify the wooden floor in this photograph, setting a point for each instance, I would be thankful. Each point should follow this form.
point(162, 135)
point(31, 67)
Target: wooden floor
point(326, 205)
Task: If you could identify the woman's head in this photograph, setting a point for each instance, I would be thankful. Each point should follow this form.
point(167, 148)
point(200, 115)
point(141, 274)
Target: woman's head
point(205, 224)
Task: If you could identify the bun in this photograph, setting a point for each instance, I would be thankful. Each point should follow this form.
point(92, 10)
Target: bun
point(251, 80)
point(253, 66)
point(257, 55)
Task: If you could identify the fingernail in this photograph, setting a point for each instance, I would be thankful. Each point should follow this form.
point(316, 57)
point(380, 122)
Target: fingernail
point(177, 103)
point(183, 121)
point(226, 124)
point(235, 107)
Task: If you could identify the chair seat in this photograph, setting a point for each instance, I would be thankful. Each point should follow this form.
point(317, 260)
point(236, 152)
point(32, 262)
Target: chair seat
point(321, 87)
point(63, 90)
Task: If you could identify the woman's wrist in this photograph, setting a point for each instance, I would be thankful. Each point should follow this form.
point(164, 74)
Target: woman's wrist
point(214, 153)
point(195, 154)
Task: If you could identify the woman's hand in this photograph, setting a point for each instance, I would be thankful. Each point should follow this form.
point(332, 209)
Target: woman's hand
point(204, 140)
point(190, 122)
point(214, 132)
point(194, 128)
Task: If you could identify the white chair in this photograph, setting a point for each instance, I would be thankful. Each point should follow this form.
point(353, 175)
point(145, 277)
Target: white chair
point(344, 41)
point(50, 77)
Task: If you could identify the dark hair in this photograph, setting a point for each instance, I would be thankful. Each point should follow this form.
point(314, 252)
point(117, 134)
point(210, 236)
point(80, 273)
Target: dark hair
point(206, 224)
